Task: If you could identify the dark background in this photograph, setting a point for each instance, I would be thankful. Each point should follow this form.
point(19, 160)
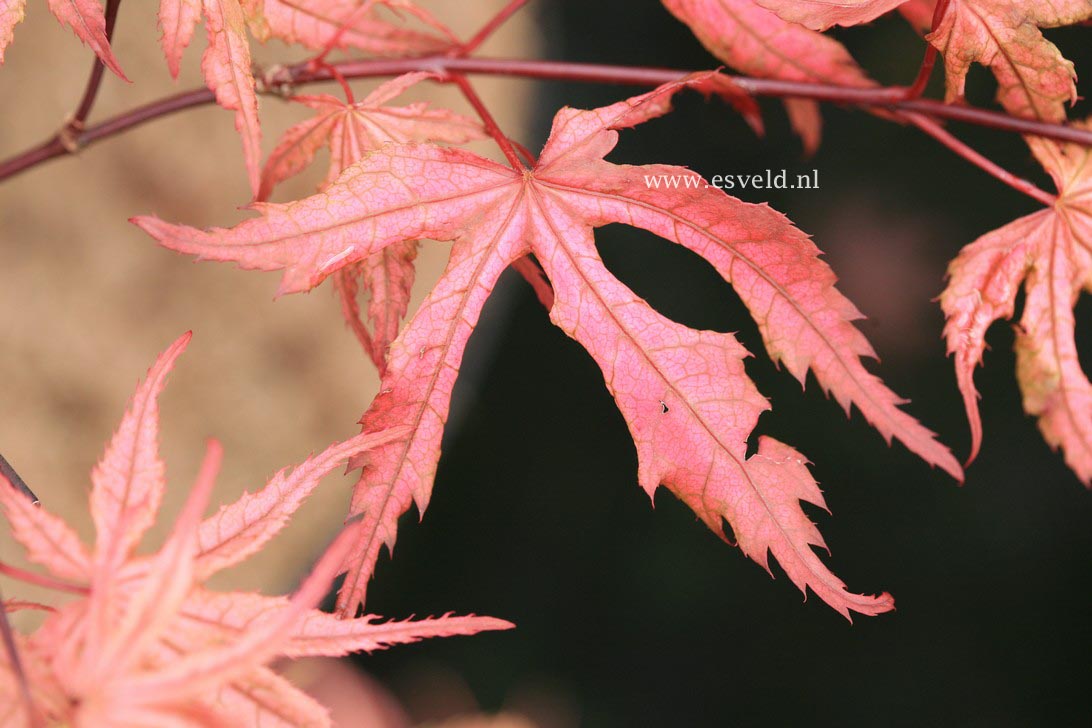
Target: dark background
point(630, 615)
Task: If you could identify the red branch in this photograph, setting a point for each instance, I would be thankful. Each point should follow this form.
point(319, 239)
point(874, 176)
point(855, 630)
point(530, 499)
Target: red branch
point(917, 88)
point(491, 126)
point(276, 81)
point(1020, 184)
point(489, 28)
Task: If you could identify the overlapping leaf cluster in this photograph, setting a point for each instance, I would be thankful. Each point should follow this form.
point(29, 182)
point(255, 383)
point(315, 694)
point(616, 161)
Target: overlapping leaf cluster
point(685, 394)
point(1048, 250)
point(145, 643)
point(396, 176)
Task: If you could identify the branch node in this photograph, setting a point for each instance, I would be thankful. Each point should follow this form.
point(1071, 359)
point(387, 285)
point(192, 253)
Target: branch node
point(275, 81)
point(70, 135)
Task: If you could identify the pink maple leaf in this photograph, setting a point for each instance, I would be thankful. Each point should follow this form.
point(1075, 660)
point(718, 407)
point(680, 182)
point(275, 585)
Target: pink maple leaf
point(146, 643)
point(1050, 253)
point(350, 130)
point(1033, 79)
point(685, 395)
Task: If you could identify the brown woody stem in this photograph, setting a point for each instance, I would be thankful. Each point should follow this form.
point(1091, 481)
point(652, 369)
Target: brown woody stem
point(891, 98)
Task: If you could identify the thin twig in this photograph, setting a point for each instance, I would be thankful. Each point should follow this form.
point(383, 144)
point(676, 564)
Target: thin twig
point(883, 98)
point(491, 126)
point(525, 266)
point(532, 272)
point(1020, 184)
point(489, 28)
point(917, 88)
point(343, 27)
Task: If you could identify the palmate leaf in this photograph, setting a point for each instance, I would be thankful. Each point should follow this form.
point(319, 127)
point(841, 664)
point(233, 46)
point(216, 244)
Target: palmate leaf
point(1033, 79)
point(351, 130)
point(685, 395)
point(226, 63)
point(1050, 253)
point(147, 644)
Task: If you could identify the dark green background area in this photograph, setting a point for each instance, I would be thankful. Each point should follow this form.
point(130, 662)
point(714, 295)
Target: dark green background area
point(641, 616)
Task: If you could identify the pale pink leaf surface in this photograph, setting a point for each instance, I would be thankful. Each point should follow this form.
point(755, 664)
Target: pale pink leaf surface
point(207, 667)
point(1033, 78)
point(297, 148)
point(271, 701)
point(226, 66)
point(754, 41)
point(268, 699)
point(351, 131)
point(805, 322)
point(87, 21)
point(11, 14)
point(1050, 253)
point(424, 361)
point(241, 529)
point(45, 693)
point(822, 14)
point(147, 644)
point(128, 481)
point(48, 540)
point(127, 488)
point(122, 628)
point(13, 707)
point(319, 633)
point(386, 280)
point(177, 20)
point(352, 24)
point(495, 215)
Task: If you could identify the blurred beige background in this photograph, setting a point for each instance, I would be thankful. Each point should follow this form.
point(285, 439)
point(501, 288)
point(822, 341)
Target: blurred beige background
point(87, 300)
